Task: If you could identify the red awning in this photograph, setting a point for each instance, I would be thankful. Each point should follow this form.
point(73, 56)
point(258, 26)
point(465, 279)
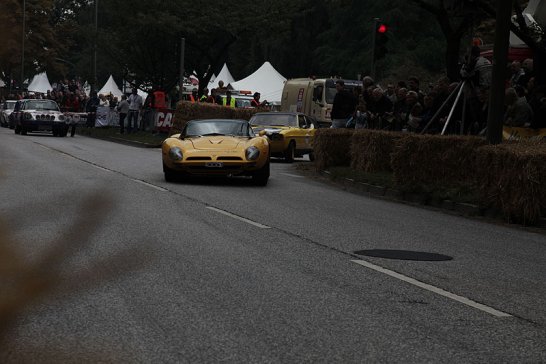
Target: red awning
point(514, 53)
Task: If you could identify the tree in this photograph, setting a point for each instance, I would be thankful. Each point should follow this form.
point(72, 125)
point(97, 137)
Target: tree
point(46, 38)
point(533, 36)
point(455, 19)
point(142, 42)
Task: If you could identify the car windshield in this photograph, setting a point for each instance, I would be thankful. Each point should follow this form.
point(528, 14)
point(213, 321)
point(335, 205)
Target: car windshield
point(274, 120)
point(10, 105)
point(41, 105)
point(218, 127)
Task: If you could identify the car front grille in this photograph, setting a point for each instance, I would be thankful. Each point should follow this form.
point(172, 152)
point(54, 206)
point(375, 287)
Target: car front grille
point(229, 159)
point(198, 158)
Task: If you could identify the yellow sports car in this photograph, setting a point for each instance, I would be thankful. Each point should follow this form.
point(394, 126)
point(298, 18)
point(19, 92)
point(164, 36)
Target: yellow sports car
point(216, 147)
point(290, 133)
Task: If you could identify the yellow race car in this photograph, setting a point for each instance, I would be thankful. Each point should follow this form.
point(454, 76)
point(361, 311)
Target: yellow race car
point(216, 147)
point(290, 133)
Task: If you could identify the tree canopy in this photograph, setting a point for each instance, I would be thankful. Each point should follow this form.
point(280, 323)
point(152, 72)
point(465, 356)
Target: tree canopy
point(141, 41)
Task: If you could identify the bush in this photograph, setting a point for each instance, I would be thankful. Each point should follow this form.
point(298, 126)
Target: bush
point(435, 162)
point(186, 111)
point(371, 150)
point(332, 147)
point(512, 179)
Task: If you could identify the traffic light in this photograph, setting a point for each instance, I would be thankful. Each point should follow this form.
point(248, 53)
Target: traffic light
point(381, 39)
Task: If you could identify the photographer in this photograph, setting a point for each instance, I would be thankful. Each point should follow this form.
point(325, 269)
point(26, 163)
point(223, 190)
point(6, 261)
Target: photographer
point(477, 69)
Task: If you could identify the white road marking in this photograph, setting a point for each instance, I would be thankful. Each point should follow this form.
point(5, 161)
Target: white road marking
point(101, 168)
point(238, 218)
point(292, 175)
point(433, 289)
point(150, 185)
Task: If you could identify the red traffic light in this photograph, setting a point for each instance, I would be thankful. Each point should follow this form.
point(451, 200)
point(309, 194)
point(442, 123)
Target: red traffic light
point(382, 28)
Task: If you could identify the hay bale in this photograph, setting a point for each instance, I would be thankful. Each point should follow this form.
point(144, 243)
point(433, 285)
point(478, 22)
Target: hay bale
point(512, 179)
point(435, 161)
point(332, 147)
point(371, 150)
point(186, 111)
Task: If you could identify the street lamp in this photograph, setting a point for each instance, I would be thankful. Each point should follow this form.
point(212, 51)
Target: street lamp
point(94, 88)
point(23, 45)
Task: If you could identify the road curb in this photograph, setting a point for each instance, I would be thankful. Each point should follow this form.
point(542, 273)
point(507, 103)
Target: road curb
point(424, 200)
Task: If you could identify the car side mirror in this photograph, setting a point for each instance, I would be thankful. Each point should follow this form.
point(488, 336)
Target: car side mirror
point(261, 132)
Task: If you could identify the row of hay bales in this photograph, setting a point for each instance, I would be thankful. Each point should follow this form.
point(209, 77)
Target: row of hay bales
point(510, 177)
point(186, 111)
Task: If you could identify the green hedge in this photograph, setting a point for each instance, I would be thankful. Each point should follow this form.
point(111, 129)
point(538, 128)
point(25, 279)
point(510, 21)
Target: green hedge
point(371, 150)
point(510, 177)
point(434, 161)
point(332, 147)
point(186, 111)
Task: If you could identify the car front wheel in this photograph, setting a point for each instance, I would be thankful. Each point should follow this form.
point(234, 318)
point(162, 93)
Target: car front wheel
point(170, 175)
point(261, 176)
point(289, 152)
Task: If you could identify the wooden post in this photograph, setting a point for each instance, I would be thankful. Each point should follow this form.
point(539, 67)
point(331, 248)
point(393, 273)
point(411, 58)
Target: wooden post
point(500, 60)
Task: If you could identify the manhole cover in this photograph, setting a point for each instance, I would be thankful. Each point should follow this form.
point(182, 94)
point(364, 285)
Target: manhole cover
point(404, 255)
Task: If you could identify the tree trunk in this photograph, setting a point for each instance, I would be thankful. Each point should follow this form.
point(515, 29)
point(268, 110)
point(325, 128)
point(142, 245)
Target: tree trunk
point(500, 59)
point(539, 64)
point(453, 47)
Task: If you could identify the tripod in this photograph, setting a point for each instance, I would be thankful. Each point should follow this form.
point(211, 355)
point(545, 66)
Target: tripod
point(463, 88)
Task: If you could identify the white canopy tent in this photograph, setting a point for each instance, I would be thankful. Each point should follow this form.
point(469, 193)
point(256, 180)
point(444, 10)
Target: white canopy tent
point(211, 81)
point(110, 87)
point(224, 75)
point(40, 83)
point(266, 80)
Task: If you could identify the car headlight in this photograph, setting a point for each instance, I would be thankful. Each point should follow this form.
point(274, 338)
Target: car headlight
point(252, 153)
point(61, 117)
point(175, 154)
point(275, 136)
point(27, 116)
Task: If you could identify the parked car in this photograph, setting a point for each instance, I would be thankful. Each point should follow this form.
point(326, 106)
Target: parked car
point(6, 108)
point(291, 134)
point(32, 115)
point(216, 147)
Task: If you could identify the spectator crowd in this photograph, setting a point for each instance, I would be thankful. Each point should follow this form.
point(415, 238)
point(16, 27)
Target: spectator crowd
point(408, 106)
point(398, 106)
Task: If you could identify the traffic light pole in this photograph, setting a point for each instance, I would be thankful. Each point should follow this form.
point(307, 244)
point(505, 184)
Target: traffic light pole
point(374, 40)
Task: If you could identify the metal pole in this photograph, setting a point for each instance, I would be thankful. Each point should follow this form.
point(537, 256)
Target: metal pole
point(463, 117)
point(374, 38)
point(182, 50)
point(453, 108)
point(500, 59)
point(453, 93)
point(94, 88)
point(23, 45)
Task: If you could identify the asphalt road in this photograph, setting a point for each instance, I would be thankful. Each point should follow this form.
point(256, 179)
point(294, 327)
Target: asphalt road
point(223, 271)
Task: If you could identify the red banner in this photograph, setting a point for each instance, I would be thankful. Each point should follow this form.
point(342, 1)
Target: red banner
point(163, 119)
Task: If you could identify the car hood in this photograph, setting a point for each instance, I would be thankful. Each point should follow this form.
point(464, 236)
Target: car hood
point(271, 129)
point(217, 143)
point(44, 112)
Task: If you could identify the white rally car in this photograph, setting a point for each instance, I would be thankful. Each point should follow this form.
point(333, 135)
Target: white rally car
point(34, 115)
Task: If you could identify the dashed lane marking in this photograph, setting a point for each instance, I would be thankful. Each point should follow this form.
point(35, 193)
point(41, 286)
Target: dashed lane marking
point(257, 224)
point(433, 289)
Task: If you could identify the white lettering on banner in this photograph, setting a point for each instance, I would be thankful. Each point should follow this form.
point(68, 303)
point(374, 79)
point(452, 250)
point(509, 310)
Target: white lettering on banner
point(163, 120)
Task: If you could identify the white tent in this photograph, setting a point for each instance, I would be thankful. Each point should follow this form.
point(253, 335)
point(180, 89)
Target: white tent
point(40, 83)
point(224, 75)
point(266, 80)
point(110, 87)
point(211, 81)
